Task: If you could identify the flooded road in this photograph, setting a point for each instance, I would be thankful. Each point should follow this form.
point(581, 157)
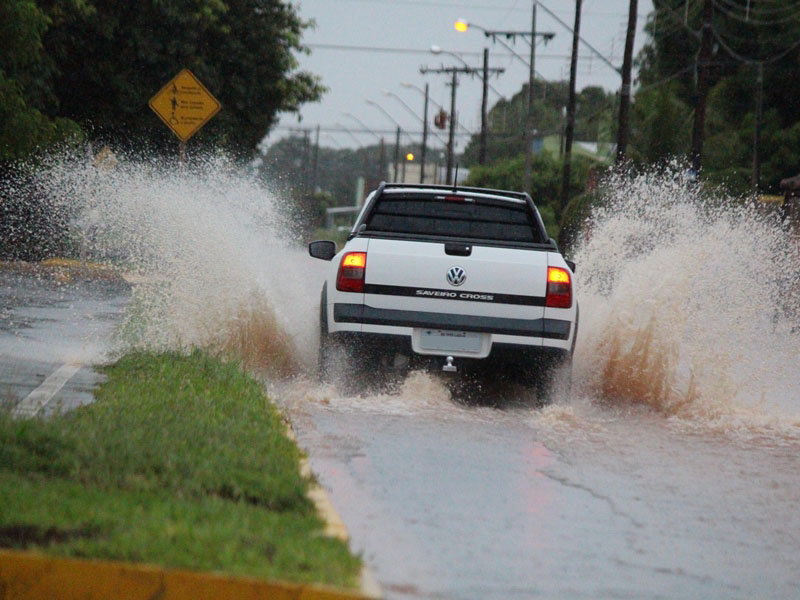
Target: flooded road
point(670, 472)
point(572, 501)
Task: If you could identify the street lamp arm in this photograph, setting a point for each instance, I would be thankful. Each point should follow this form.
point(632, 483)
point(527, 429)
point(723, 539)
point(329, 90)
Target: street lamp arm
point(350, 133)
point(546, 35)
point(470, 70)
point(493, 34)
point(360, 122)
point(411, 111)
point(390, 117)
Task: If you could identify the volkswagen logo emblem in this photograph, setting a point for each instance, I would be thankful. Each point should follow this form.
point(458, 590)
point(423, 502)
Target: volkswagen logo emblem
point(456, 276)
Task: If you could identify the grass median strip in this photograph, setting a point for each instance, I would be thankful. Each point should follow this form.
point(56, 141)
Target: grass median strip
point(181, 462)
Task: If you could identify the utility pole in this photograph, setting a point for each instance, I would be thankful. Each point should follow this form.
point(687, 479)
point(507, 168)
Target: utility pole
point(306, 160)
point(315, 163)
point(570, 130)
point(484, 108)
point(451, 134)
point(382, 162)
point(528, 137)
point(499, 36)
point(454, 71)
point(625, 90)
point(396, 153)
point(703, 76)
point(757, 134)
point(424, 138)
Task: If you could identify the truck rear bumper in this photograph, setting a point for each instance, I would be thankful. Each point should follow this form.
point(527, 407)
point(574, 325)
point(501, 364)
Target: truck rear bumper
point(555, 329)
point(504, 357)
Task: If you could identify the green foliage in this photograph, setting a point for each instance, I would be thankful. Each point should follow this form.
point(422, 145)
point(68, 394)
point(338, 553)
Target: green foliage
point(546, 179)
point(507, 119)
point(181, 461)
point(662, 120)
point(660, 125)
point(574, 217)
point(24, 84)
point(24, 129)
point(109, 59)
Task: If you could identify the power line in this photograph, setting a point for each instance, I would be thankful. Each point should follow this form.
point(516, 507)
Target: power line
point(753, 61)
point(757, 13)
point(340, 129)
point(749, 16)
point(461, 5)
point(396, 50)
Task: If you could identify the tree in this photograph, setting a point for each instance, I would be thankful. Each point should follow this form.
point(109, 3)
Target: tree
point(744, 34)
point(110, 57)
point(506, 174)
point(507, 118)
point(25, 89)
point(660, 125)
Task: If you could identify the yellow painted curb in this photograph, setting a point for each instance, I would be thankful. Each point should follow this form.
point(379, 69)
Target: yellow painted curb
point(30, 576)
point(334, 526)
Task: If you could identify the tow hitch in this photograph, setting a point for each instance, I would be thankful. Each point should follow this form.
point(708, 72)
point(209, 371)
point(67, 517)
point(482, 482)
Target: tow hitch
point(449, 367)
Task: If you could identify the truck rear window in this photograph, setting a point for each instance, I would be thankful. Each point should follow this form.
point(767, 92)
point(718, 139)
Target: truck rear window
point(483, 219)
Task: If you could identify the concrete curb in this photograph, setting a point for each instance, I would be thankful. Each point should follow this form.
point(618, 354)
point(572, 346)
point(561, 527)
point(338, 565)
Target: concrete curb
point(31, 576)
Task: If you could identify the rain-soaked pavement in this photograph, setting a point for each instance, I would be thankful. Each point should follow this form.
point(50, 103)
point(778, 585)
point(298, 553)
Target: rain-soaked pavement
point(55, 323)
point(581, 499)
point(578, 500)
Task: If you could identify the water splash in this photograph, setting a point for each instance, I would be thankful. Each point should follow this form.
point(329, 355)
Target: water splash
point(213, 257)
point(688, 303)
point(688, 297)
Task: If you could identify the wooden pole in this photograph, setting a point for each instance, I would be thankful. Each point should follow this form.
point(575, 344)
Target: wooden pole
point(625, 90)
point(756, 180)
point(570, 129)
point(424, 138)
point(528, 137)
point(451, 136)
point(703, 82)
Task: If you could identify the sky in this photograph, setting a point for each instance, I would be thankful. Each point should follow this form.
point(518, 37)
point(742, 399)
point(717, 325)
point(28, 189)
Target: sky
point(399, 35)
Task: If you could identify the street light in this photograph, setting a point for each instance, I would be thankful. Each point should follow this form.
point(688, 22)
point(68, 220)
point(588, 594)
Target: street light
point(484, 137)
point(439, 50)
point(437, 105)
point(361, 123)
point(424, 120)
point(462, 26)
point(348, 132)
point(381, 163)
point(397, 138)
point(331, 137)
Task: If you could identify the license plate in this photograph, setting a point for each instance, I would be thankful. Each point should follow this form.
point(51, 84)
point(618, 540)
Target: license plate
point(450, 341)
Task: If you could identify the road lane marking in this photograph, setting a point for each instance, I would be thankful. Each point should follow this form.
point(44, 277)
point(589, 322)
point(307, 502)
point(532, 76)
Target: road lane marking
point(41, 396)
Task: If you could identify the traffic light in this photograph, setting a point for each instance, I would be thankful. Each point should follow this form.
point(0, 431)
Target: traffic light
point(440, 120)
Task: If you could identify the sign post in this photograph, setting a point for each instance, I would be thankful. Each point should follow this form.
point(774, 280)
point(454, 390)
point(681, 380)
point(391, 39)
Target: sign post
point(184, 105)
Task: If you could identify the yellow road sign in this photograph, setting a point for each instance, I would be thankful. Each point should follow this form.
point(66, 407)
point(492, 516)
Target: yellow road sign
point(184, 105)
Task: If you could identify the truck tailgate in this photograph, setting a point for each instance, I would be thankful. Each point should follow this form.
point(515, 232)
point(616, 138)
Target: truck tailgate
point(412, 276)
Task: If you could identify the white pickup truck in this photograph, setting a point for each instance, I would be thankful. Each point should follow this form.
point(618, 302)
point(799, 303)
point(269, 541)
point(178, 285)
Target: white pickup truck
point(459, 279)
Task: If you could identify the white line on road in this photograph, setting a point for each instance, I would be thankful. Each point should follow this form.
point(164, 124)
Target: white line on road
point(41, 396)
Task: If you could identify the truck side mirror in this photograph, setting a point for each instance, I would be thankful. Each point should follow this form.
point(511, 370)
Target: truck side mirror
point(323, 249)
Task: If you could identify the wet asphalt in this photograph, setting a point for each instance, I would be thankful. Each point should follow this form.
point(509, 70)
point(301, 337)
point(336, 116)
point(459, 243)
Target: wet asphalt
point(457, 500)
point(51, 317)
point(578, 500)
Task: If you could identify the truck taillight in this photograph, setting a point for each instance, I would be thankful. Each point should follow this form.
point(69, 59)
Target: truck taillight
point(351, 272)
point(559, 288)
